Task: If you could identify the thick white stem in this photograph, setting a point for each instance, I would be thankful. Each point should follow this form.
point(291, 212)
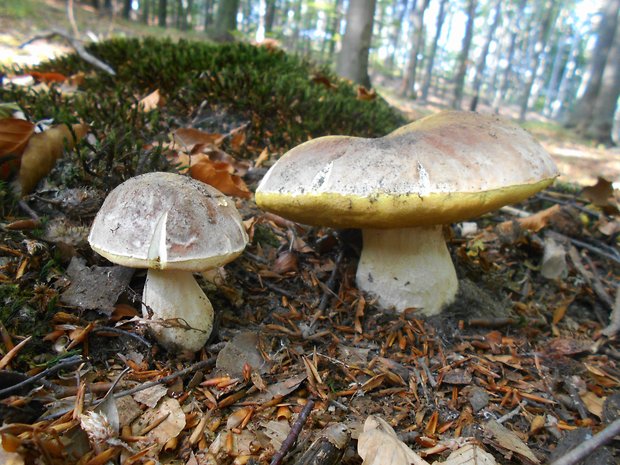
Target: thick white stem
point(407, 268)
point(177, 303)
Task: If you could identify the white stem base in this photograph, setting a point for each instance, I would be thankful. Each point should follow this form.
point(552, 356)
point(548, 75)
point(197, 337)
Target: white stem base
point(407, 268)
point(177, 303)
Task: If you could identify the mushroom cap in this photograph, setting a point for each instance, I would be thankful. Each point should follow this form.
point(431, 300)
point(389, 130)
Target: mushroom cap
point(167, 221)
point(443, 168)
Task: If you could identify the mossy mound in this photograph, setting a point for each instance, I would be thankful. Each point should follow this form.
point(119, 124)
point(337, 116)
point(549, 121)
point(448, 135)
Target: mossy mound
point(273, 91)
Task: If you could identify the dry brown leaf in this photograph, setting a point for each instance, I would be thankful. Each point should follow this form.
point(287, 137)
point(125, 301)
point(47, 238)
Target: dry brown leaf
point(469, 454)
point(150, 102)
point(43, 150)
point(217, 174)
point(169, 418)
point(262, 158)
point(188, 138)
point(508, 440)
point(14, 136)
point(365, 94)
point(323, 80)
point(48, 78)
point(379, 445)
point(602, 195)
point(238, 138)
point(593, 403)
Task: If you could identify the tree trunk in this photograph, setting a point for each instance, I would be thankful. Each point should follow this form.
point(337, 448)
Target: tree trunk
point(126, 8)
point(270, 15)
point(396, 29)
point(417, 43)
point(441, 16)
point(459, 80)
point(353, 58)
point(482, 59)
point(600, 127)
point(583, 110)
point(208, 14)
point(162, 13)
point(559, 63)
point(568, 74)
point(331, 30)
point(144, 6)
point(226, 20)
point(549, 14)
point(514, 29)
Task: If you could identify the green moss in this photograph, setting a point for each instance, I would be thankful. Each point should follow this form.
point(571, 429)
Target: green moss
point(268, 88)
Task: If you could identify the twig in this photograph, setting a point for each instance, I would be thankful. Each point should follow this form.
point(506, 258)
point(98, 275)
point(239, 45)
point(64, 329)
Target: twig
point(293, 434)
point(590, 278)
point(107, 329)
point(10, 355)
point(77, 46)
point(71, 17)
point(614, 319)
point(70, 361)
point(331, 283)
point(573, 392)
point(586, 448)
point(512, 413)
point(195, 367)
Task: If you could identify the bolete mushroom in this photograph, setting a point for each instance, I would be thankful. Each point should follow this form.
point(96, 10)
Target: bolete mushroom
point(174, 226)
point(399, 189)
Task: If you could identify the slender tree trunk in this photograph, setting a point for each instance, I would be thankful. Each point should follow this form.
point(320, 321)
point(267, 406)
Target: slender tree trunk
point(162, 13)
point(208, 14)
point(144, 6)
point(583, 110)
point(549, 15)
point(441, 16)
point(459, 80)
point(396, 30)
point(600, 127)
point(482, 59)
point(333, 25)
point(226, 20)
point(270, 15)
point(417, 43)
point(126, 8)
point(568, 74)
point(500, 94)
point(559, 62)
point(296, 26)
point(353, 58)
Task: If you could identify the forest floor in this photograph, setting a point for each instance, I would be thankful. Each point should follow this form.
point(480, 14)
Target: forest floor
point(525, 365)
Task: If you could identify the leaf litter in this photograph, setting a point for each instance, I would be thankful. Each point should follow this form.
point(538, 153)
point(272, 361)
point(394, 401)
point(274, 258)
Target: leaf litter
point(523, 357)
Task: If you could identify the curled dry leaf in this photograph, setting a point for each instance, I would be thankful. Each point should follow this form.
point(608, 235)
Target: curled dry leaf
point(14, 136)
point(150, 102)
point(379, 445)
point(217, 175)
point(469, 454)
point(43, 150)
point(187, 138)
point(48, 78)
point(365, 94)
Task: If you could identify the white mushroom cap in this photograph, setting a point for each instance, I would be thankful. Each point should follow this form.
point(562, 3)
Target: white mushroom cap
point(443, 168)
point(168, 221)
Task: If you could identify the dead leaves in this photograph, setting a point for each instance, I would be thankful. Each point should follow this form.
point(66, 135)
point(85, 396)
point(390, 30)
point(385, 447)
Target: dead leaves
point(379, 445)
point(14, 136)
point(43, 150)
point(199, 154)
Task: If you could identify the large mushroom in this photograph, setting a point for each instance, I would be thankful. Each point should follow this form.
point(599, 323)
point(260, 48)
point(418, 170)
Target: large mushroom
point(399, 189)
point(174, 226)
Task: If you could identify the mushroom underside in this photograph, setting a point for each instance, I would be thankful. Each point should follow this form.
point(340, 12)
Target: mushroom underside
point(179, 313)
point(407, 268)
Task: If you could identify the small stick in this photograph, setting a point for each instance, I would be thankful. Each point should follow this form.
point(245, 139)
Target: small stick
point(77, 46)
point(331, 283)
point(586, 448)
point(70, 361)
point(614, 319)
point(137, 337)
point(573, 392)
point(512, 413)
point(590, 278)
point(10, 355)
point(293, 434)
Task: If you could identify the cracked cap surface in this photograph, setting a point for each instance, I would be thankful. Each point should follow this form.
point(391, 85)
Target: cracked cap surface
point(167, 221)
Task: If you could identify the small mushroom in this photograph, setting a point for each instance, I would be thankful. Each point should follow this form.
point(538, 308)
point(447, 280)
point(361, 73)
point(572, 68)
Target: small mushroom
point(400, 189)
point(174, 226)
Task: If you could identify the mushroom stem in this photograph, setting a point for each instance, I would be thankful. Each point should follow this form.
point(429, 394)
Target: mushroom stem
point(407, 268)
point(177, 304)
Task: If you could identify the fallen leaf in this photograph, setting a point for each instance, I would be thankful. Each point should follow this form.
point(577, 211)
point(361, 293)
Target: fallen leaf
point(506, 439)
point(262, 158)
point(469, 454)
point(319, 78)
point(365, 94)
point(379, 445)
point(238, 138)
point(151, 396)
point(242, 349)
point(190, 137)
point(43, 150)
point(593, 403)
point(602, 195)
point(48, 78)
point(170, 417)
point(14, 136)
point(150, 102)
point(216, 174)
point(534, 222)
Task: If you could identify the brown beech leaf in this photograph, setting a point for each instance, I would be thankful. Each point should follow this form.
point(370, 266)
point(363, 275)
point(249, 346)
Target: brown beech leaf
point(190, 137)
point(43, 150)
point(48, 78)
point(150, 102)
point(14, 136)
point(469, 454)
point(365, 94)
point(323, 80)
point(217, 174)
point(379, 445)
point(602, 195)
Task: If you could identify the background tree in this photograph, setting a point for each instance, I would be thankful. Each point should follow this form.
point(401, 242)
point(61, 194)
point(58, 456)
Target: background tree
point(441, 16)
point(459, 80)
point(417, 43)
point(583, 110)
point(353, 57)
point(226, 20)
